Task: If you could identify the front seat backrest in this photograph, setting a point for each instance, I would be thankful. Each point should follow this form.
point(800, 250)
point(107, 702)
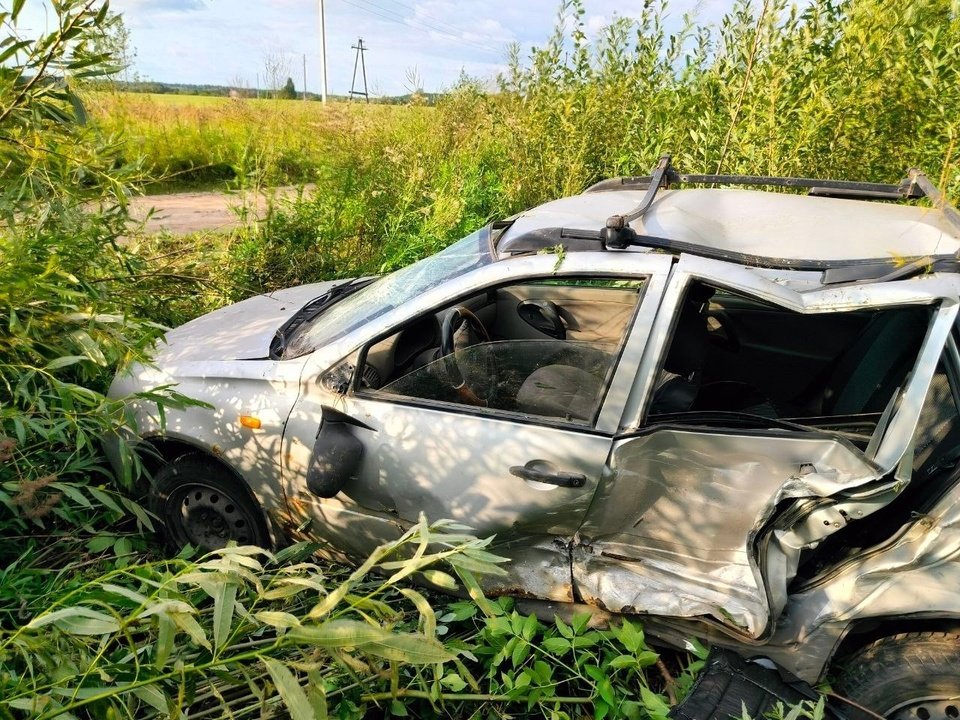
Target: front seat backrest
point(679, 381)
point(871, 369)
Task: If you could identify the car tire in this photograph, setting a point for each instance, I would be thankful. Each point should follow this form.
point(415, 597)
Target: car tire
point(201, 503)
point(913, 675)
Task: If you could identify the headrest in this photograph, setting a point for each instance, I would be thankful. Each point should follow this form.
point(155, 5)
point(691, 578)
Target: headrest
point(688, 348)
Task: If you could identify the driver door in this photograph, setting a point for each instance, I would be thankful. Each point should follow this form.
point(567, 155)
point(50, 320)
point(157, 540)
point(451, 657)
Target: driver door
point(525, 475)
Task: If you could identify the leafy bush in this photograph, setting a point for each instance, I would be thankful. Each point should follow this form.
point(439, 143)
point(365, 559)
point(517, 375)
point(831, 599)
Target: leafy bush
point(240, 631)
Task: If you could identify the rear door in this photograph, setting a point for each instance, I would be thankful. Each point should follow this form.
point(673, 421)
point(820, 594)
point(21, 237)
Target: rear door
point(698, 519)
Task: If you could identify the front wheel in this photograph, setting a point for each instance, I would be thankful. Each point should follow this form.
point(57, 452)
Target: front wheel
point(914, 676)
point(202, 504)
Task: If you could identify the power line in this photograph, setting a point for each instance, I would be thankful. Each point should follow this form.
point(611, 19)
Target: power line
point(393, 16)
point(418, 13)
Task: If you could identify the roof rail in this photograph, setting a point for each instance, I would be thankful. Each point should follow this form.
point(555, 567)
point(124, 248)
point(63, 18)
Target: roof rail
point(915, 185)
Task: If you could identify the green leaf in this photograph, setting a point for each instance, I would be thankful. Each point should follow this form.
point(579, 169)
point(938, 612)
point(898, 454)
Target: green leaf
point(439, 578)
point(166, 631)
point(15, 9)
point(411, 649)
point(605, 690)
point(99, 543)
point(529, 627)
point(646, 658)
point(224, 601)
point(64, 361)
point(697, 648)
point(622, 661)
point(521, 651)
point(105, 499)
point(288, 687)
point(453, 682)
point(77, 620)
point(398, 709)
point(336, 634)
point(152, 696)
point(277, 619)
point(188, 623)
point(426, 612)
point(654, 704)
point(556, 645)
point(297, 552)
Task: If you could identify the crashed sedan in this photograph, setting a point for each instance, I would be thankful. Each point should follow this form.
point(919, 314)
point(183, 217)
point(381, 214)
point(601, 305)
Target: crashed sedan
point(733, 412)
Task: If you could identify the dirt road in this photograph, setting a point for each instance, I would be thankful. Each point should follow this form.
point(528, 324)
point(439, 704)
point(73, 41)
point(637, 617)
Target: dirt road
point(183, 213)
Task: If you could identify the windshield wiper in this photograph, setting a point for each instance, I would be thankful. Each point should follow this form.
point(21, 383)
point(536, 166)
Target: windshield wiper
point(310, 311)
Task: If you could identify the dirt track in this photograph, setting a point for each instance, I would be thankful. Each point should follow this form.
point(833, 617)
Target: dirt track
point(183, 213)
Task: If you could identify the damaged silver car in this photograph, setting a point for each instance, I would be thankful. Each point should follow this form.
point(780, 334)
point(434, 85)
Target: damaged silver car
point(733, 412)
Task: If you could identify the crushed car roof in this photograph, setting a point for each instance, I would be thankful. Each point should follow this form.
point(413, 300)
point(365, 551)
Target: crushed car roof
point(834, 225)
point(765, 224)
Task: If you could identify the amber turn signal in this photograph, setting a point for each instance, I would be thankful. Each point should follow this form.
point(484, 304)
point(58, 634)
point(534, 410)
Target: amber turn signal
point(249, 421)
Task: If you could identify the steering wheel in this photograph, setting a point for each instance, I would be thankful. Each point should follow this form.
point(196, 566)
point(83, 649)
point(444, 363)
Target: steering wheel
point(453, 321)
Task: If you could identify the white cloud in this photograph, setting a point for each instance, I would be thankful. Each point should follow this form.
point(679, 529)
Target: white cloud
point(217, 41)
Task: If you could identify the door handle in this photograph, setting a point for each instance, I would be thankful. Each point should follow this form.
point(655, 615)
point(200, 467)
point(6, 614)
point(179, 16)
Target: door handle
point(560, 479)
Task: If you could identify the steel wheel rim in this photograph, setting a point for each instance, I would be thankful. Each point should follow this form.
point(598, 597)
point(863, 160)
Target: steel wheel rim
point(928, 708)
point(207, 517)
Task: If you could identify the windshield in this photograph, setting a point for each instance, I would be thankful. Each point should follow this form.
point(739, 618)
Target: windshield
point(391, 291)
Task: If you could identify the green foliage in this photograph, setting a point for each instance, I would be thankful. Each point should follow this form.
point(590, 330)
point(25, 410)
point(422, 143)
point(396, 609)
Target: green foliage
point(91, 625)
point(240, 631)
point(69, 308)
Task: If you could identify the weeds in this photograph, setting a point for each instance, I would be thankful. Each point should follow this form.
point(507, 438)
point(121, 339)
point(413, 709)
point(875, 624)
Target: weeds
point(91, 623)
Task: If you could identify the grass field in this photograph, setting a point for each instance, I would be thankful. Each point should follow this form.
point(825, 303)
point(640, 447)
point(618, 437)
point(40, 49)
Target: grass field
point(202, 141)
point(94, 622)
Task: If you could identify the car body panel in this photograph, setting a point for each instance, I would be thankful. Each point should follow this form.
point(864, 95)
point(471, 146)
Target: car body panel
point(447, 462)
point(677, 516)
point(759, 224)
point(241, 331)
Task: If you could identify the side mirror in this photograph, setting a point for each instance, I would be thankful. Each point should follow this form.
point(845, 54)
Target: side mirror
point(336, 453)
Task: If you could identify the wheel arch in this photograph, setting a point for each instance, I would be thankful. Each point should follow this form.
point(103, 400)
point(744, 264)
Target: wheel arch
point(867, 631)
point(155, 451)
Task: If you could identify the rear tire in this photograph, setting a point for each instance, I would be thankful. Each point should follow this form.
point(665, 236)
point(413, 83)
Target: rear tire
point(199, 502)
point(914, 676)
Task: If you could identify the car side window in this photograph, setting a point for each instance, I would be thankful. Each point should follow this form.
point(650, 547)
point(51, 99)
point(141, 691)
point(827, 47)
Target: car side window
point(731, 353)
point(539, 348)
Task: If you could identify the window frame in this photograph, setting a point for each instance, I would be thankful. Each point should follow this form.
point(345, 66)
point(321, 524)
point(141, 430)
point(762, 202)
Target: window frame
point(805, 294)
point(590, 427)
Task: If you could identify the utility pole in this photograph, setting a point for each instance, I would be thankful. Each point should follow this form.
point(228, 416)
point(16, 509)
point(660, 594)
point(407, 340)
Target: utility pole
point(359, 47)
point(304, 76)
point(323, 56)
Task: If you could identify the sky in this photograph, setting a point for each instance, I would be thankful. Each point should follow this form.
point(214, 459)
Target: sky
point(228, 42)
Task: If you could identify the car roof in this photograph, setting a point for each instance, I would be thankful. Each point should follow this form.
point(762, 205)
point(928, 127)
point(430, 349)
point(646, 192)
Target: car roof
point(771, 228)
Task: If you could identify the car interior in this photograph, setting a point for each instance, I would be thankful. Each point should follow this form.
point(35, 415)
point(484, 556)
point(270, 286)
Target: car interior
point(547, 348)
point(735, 354)
point(544, 348)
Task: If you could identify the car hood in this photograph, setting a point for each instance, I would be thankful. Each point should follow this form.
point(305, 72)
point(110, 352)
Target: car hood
point(241, 331)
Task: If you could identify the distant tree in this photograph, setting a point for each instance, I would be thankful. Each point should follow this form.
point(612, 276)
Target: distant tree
point(289, 92)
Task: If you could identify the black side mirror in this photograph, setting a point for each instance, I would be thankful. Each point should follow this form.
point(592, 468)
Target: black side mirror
point(336, 453)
